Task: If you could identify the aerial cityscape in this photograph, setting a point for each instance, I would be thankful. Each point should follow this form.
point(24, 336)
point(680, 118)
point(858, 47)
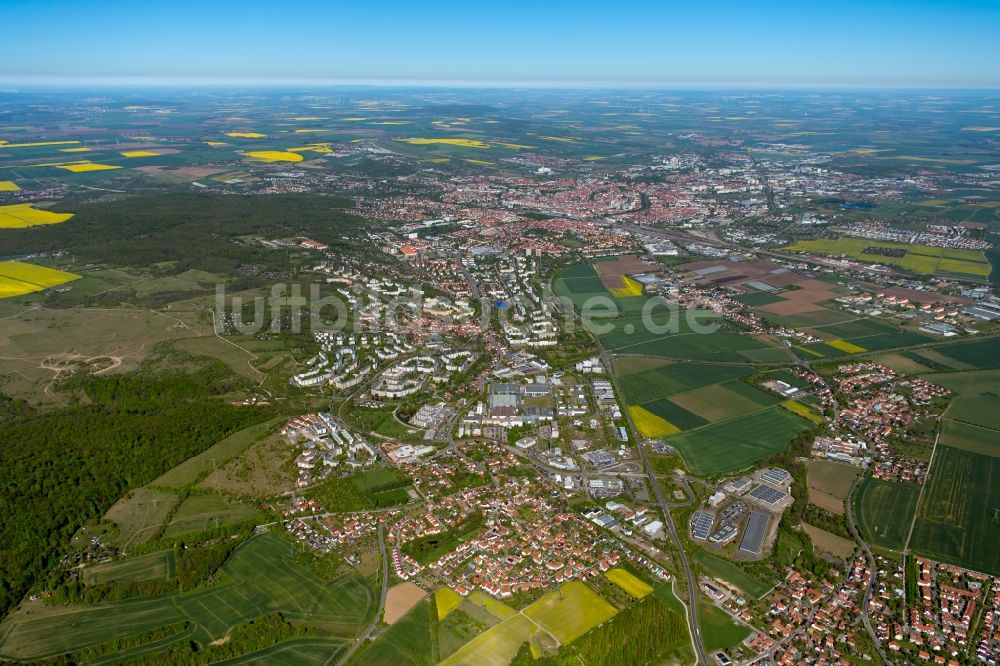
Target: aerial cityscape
point(589, 358)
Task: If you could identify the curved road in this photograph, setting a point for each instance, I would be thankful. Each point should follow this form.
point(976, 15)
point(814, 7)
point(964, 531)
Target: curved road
point(873, 572)
point(381, 601)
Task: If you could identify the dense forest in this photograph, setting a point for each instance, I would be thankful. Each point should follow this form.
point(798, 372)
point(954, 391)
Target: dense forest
point(60, 469)
point(193, 230)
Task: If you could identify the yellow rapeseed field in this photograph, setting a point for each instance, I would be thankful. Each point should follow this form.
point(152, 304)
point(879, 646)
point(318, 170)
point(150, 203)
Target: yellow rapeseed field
point(446, 600)
point(321, 148)
point(465, 143)
point(5, 144)
point(43, 276)
point(802, 410)
point(246, 135)
point(87, 166)
point(274, 156)
point(8, 186)
point(18, 278)
point(139, 153)
point(649, 424)
point(631, 288)
point(216, 144)
point(628, 582)
point(80, 149)
point(19, 216)
point(845, 346)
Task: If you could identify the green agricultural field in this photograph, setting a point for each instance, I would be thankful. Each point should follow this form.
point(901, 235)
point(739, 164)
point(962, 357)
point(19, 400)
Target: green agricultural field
point(192, 469)
point(408, 642)
point(729, 446)
point(720, 346)
point(570, 612)
point(959, 516)
point(829, 484)
point(877, 342)
point(901, 363)
point(884, 511)
point(260, 577)
point(729, 572)
point(972, 438)
point(758, 298)
point(152, 566)
point(855, 328)
point(295, 652)
point(661, 380)
point(980, 410)
point(718, 630)
point(978, 354)
point(722, 401)
point(923, 259)
point(204, 511)
point(674, 413)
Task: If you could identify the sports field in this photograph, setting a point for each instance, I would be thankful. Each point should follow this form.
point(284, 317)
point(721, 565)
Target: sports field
point(959, 516)
point(884, 511)
point(260, 577)
point(570, 612)
point(625, 580)
point(732, 445)
point(732, 574)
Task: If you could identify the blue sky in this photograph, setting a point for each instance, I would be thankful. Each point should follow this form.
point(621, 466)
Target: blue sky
point(749, 43)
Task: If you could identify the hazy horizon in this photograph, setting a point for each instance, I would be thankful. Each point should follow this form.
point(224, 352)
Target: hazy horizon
point(850, 44)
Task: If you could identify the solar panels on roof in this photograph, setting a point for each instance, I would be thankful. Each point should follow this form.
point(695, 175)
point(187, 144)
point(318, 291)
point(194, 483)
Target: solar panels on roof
point(753, 535)
point(701, 524)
